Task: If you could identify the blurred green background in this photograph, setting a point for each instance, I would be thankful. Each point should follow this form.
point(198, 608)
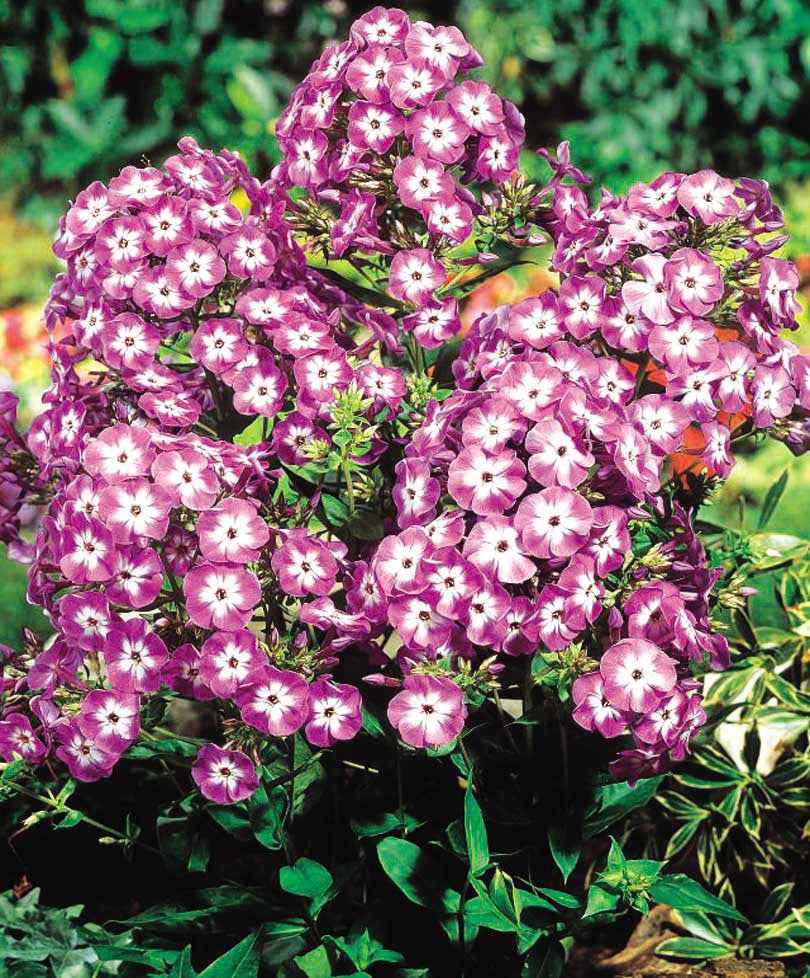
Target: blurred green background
point(638, 86)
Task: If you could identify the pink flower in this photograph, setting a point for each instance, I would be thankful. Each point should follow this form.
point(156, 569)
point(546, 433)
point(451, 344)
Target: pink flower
point(708, 196)
point(232, 532)
point(304, 565)
point(277, 704)
point(419, 180)
point(218, 344)
point(382, 25)
point(554, 522)
point(649, 297)
point(187, 478)
point(305, 157)
point(134, 655)
point(493, 424)
point(18, 740)
point(662, 421)
point(444, 47)
point(168, 224)
point(636, 462)
point(531, 387)
point(399, 562)
point(229, 659)
point(418, 622)
point(494, 547)
point(224, 776)
point(221, 596)
point(119, 453)
point(368, 74)
point(694, 282)
point(133, 509)
point(322, 374)
point(536, 321)
point(778, 282)
point(449, 216)
point(86, 760)
point(585, 592)
point(636, 674)
point(581, 300)
point(414, 83)
point(249, 253)
point(553, 618)
point(773, 395)
point(486, 484)
point(414, 275)
point(452, 581)
point(87, 551)
point(556, 458)
point(684, 344)
point(486, 618)
point(438, 133)
point(195, 268)
point(334, 713)
point(85, 619)
point(128, 342)
point(429, 712)
point(90, 210)
point(374, 126)
point(593, 710)
point(110, 718)
point(415, 493)
point(478, 106)
point(663, 723)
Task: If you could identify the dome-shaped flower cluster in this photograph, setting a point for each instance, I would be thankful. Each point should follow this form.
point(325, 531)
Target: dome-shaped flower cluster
point(245, 486)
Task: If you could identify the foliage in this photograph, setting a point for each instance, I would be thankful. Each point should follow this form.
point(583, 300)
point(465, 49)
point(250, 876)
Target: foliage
point(641, 86)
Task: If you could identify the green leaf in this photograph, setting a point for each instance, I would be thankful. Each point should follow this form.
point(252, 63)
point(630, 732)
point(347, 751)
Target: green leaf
point(306, 878)
point(337, 512)
point(253, 433)
point(601, 899)
point(546, 960)
point(480, 911)
point(682, 893)
point(772, 499)
point(692, 948)
point(242, 961)
point(315, 963)
point(681, 839)
point(182, 965)
point(365, 828)
point(475, 831)
point(564, 853)
point(613, 801)
point(416, 875)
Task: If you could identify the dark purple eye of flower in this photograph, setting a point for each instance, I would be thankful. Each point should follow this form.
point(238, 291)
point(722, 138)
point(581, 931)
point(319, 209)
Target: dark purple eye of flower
point(449, 582)
point(502, 546)
point(424, 616)
point(427, 708)
point(194, 267)
point(584, 305)
point(220, 594)
point(690, 283)
point(554, 521)
point(329, 711)
point(272, 699)
point(561, 451)
point(225, 772)
point(437, 134)
point(233, 662)
point(407, 562)
point(636, 674)
point(164, 225)
point(231, 534)
point(306, 566)
point(486, 477)
point(375, 123)
point(113, 718)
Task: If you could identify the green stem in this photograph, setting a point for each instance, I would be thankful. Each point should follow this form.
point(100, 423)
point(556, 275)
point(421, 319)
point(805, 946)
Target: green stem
point(66, 810)
point(347, 475)
point(400, 801)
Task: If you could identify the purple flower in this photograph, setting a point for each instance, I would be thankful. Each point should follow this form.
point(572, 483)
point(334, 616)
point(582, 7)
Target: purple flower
point(334, 713)
point(110, 718)
point(414, 275)
point(694, 282)
point(437, 133)
point(182, 673)
point(218, 344)
point(419, 180)
point(119, 453)
point(414, 83)
point(224, 776)
point(649, 296)
point(85, 619)
point(135, 509)
point(636, 674)
point(708, 196)
point(304, 565)
point(554, 522)
point(555, 618)
point(415, 492)
point(536, 321)
point(128, 342)
point(494, 547)
point(221, 596)
point(87, 551)
point(277, 704)
point(232, 532)
point(374, 126)
point(17, 739)
point(249, 253)
point(85, 758)
point(399, 563)
point(134, 656)
point(486, 484)
point(593, 710)
point(778, 282)
point(418, 621)
point(230, 659)
point(429, 712)
point(556, 458)
point(187, 478)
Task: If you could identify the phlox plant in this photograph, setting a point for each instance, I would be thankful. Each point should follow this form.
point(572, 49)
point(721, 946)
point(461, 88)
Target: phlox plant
point(411, 585)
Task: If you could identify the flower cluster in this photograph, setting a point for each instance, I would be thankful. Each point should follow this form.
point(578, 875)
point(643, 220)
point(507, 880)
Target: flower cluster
point(249, 492)
point(395, 150)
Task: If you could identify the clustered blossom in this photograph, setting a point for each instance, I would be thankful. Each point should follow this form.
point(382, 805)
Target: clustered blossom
point(239, 485)
point(391, 140)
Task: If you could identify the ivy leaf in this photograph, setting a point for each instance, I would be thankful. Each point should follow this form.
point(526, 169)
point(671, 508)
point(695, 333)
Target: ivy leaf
point(475, 831)
point(306, 878)
point(682, 893)
point(315, 963)
point(546, 960)
point(182, 965)
point(601, 899)
point(416, 875)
